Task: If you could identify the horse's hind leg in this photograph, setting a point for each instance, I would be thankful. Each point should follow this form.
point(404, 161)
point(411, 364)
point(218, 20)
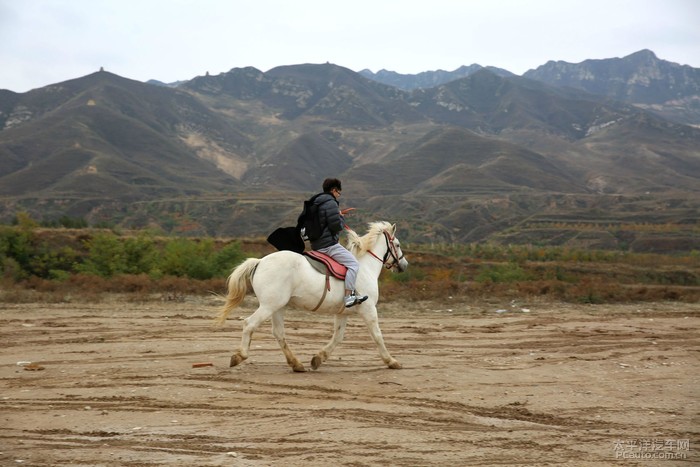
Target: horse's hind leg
point(278, 332)
point(251, 323)
point(338, 333)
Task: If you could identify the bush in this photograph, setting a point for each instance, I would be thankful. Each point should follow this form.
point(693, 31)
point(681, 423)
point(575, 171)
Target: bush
point(509, 272)
point(227, 258)
point(103, 259)
point(16, 245)
point(197, 259)
point(187, 258)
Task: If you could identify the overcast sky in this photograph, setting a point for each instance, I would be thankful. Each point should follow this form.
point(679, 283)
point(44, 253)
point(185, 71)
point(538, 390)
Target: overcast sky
point(44, 42)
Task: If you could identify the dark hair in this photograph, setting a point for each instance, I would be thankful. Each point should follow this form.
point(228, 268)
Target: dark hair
point(330, 183)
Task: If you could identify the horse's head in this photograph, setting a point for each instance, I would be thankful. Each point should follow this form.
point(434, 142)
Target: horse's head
point(381, 242)
point(394, 258)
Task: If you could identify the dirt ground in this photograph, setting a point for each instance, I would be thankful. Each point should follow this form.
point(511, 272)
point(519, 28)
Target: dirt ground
point(490, 383)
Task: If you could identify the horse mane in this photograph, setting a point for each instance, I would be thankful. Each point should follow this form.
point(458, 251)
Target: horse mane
point(361, 245)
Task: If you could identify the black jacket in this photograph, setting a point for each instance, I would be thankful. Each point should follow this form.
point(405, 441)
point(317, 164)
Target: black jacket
point(332, 222)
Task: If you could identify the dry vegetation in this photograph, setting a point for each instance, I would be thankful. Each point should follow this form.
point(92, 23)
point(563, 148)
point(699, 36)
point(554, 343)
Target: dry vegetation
point(64, 265)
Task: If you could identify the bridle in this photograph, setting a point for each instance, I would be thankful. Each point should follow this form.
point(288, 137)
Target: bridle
point(390, 251)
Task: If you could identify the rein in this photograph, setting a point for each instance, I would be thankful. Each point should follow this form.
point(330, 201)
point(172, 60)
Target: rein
point(390, 251)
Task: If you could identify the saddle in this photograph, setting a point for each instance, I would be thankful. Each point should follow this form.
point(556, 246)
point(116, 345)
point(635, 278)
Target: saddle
point(325, 264)
point(328, 266)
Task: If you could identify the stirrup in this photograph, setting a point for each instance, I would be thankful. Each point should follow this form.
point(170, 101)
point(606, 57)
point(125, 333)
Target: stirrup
point(352, 299)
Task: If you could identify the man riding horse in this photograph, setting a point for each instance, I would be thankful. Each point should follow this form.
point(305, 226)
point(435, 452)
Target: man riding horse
point(332, 224)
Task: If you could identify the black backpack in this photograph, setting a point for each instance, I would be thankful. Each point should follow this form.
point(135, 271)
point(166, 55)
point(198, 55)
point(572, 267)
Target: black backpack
point(309, 221)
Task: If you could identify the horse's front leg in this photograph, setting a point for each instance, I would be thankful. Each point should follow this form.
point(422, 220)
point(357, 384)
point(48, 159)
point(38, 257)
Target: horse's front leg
point(338, 333)
point(278, 332)
point(369, 314)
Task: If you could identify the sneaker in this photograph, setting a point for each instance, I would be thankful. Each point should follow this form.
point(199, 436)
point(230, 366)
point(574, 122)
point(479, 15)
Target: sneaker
point(353, 299)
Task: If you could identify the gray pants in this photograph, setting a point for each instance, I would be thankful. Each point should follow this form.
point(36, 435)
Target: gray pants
point(339, 253)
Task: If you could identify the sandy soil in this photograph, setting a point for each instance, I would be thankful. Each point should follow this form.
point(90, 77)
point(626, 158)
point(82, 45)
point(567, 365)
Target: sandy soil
point(113, 383)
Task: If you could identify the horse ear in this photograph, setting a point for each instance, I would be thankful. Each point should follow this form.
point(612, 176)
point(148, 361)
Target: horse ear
point(393, 230)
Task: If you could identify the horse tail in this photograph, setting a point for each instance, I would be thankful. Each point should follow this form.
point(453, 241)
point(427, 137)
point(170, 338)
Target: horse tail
point(237, 283)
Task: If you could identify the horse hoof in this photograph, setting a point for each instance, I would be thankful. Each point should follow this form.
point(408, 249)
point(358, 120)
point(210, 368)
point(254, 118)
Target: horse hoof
point(395, 365)
point(235, 360)
point(316, 362)
point(299, 368)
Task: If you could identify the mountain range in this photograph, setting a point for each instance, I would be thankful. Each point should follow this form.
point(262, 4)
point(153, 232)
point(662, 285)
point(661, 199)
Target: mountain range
point(471, 155)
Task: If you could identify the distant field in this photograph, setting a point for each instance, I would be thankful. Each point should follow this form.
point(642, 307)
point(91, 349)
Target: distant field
point(58, 265)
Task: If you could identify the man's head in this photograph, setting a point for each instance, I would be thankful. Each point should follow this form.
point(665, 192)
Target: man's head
point(331, 184)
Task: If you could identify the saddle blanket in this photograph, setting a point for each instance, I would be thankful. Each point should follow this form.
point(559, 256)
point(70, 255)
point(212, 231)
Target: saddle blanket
point(323, 262)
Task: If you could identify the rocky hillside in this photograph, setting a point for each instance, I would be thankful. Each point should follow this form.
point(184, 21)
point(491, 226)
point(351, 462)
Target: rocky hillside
point(486, 156)
point(665, 88)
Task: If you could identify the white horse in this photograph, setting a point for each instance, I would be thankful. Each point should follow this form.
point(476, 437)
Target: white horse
point(285, 277)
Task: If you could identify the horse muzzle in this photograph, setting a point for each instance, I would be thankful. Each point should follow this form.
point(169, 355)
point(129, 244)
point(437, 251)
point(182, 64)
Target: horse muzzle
point(402, 265)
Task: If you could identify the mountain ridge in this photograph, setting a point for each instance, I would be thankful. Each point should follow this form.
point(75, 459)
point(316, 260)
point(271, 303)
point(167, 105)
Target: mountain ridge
point(461, 161)
point(665, 88)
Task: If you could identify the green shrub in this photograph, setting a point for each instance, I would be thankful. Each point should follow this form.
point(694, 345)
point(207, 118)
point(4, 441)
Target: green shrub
point(45, 261)
point(140, 254)
point(16, 245)
point(227, 258)
point(105, 256)
point(508, 272)
point(183, 257)
point(199, 259)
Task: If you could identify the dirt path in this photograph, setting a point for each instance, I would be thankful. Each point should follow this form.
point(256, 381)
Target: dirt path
point(552, 385)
